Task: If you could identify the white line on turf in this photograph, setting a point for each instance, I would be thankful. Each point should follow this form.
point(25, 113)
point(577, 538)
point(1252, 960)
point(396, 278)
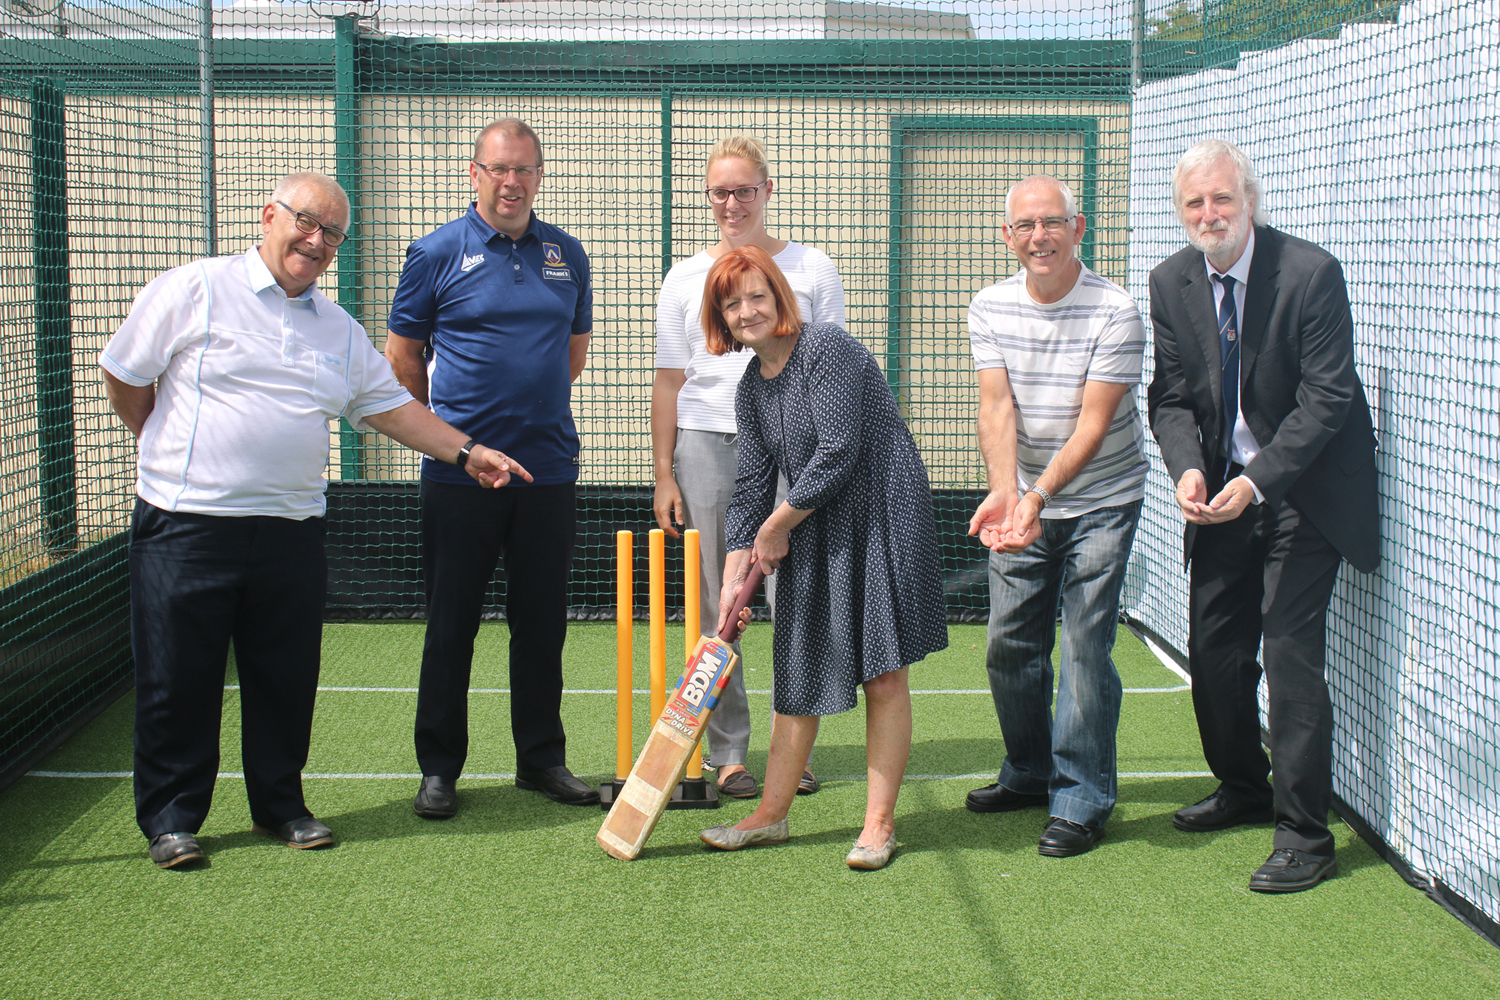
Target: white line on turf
point(351, 776)
point(757, 691)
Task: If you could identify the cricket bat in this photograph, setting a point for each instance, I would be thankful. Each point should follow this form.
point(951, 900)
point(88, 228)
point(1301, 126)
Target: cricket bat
point(659, 768)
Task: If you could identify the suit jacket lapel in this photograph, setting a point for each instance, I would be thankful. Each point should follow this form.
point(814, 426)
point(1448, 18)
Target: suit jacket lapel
point(1199, 300)
point(1260, 296)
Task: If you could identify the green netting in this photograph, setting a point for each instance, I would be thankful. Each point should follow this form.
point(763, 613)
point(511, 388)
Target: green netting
point(138, 136)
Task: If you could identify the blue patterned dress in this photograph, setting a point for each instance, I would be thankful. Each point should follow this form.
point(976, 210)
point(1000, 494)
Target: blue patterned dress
point(860, 593)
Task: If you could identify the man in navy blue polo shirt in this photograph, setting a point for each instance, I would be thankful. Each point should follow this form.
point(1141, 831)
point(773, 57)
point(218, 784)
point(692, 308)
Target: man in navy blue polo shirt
point(490, 327)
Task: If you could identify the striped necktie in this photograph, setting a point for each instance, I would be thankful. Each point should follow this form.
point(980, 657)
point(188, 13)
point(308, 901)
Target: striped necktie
point(1229, 367)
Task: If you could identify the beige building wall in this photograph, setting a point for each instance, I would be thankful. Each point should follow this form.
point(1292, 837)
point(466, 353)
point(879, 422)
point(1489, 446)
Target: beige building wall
point(832, 171)
point(134, 163)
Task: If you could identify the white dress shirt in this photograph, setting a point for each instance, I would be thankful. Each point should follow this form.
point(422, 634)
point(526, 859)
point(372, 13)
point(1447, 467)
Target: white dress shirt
point(1242, 446)
point(247, 381)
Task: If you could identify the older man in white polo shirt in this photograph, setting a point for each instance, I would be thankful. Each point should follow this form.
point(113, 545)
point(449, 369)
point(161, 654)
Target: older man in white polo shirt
point(228, 371)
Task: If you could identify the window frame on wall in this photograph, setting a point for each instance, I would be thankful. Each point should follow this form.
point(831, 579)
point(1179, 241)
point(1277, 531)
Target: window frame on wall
point(901, 129)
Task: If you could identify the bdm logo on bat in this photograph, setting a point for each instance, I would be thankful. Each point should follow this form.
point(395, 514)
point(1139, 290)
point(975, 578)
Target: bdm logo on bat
point(696, 685)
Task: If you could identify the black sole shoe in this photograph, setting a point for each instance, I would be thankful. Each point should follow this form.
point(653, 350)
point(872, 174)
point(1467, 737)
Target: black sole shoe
point(1218, 813)
point(436, 799)
point(1287, 870)
point(997, 798)
point(559, 785)
point(1066, 839)
point(176, 850)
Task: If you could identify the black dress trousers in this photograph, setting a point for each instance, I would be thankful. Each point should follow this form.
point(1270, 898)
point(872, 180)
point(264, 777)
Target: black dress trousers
point(466, 530)
point(198, 582)
point(1267, 575)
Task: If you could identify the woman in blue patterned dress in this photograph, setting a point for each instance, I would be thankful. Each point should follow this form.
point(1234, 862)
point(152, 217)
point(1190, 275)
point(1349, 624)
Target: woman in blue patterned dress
point(854, 546)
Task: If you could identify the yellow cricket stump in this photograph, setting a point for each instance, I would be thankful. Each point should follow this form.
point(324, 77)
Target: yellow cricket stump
point(691, 627)
point(658, 563)
point(624, 652)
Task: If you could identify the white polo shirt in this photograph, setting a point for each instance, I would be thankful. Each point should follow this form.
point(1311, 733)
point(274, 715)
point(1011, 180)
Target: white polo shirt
point(248, 381)
point(706, 401)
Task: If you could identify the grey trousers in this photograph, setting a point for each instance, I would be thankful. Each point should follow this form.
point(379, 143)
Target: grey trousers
point(706, 465)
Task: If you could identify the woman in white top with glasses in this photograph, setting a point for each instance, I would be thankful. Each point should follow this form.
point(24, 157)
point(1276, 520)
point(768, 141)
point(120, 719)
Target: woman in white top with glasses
point(693, 442)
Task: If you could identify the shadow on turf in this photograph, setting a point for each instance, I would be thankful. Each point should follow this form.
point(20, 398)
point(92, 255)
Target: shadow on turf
point(486, 808)
point(33, 812)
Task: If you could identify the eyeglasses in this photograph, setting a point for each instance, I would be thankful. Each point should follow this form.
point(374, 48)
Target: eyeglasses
point(307, 224)
point(500, 170)
point(1051, 226)
point(721, 195)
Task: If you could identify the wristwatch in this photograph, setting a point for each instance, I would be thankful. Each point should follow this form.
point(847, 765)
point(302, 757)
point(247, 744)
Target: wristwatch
point(1045, 497)
point(463, 453)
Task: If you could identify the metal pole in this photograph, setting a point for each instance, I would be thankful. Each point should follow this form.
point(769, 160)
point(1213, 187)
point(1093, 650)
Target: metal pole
point(206, 127)
point(1137, 40)
point(54, 325)
point(347, 170)
point(666, 180)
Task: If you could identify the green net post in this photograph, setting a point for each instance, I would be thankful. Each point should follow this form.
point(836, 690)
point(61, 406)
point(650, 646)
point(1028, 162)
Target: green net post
point(895, 265)
point(666, 180)
point(54, 334)
point(348, 173)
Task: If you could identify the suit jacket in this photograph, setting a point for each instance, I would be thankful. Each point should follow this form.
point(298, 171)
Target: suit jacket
point(1299, 392)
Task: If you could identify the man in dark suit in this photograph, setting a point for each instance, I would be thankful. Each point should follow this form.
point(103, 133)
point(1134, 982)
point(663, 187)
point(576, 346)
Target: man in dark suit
point(1264, 428)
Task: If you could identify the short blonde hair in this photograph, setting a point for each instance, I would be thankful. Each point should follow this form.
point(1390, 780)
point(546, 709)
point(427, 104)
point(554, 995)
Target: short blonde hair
point(743, 147)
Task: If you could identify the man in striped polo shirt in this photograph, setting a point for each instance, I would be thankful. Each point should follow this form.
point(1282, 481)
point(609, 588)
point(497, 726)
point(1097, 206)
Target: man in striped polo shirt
point(1058, 351)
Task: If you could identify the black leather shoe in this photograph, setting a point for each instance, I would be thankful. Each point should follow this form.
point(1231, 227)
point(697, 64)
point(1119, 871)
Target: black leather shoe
point(436, 799)
point(1219, 812)
point(997, 798)
point(1063, 838)
point(173, 850)
point(302, 833)
point(558, 784)
point(1289, 870)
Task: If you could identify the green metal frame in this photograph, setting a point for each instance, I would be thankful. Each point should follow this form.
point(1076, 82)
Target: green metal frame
point(901, 128)
point(54, 323)
point(666, 180)
point(1026, 68)
point(348, 168)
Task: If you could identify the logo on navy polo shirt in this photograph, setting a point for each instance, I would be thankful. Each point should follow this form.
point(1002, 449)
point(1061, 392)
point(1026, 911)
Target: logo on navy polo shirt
point(555, 268)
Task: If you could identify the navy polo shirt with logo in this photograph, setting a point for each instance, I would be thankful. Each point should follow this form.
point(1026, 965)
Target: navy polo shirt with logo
point(498, 316)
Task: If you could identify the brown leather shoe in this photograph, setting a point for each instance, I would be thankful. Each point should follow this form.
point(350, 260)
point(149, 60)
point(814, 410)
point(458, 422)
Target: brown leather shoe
point(739, 785)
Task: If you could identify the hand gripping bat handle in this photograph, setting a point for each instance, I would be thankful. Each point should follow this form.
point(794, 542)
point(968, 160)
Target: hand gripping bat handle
point(731, 630)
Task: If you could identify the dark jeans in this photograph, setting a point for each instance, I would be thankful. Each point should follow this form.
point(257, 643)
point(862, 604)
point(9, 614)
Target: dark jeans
point(198, 582)
point(465, 531)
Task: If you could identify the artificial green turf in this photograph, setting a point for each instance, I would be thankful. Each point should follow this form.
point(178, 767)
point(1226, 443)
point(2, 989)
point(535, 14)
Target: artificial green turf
point(513, 899)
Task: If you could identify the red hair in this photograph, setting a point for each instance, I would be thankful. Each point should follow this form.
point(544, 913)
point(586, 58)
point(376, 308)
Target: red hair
point(724, 279)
